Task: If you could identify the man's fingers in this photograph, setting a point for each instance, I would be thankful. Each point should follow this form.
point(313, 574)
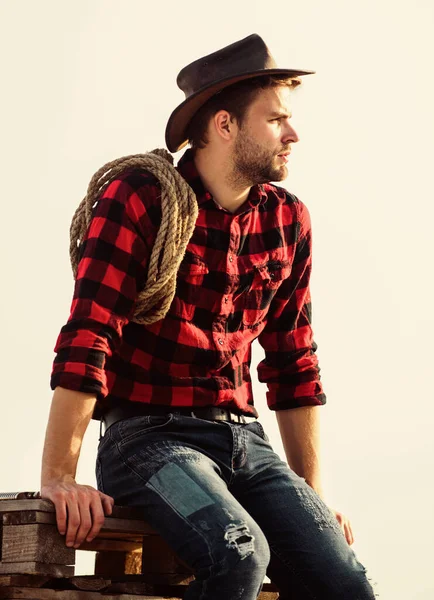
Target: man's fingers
point(92, 505)
point(107, 502)
point(73, 520)
point(345, 525)
point(61, 517)
point(80, 510)
point(58, 498)
point(97, 514)
point(84, 500)
point(60, 506)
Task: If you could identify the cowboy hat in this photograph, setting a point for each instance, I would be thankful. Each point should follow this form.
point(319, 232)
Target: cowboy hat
point(206, 76)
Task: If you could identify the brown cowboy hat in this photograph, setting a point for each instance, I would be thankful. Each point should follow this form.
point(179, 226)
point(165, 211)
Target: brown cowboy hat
point(206, 76)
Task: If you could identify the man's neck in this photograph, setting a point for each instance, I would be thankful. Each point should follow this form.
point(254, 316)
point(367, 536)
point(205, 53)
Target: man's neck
point(219, 181)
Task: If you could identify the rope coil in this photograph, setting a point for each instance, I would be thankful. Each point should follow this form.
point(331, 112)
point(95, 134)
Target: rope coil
point(178, 219)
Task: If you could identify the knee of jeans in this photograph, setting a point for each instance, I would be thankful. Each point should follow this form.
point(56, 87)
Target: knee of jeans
point(246, 546)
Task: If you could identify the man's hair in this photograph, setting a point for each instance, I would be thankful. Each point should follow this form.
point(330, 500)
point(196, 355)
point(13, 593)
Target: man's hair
point(236, 99)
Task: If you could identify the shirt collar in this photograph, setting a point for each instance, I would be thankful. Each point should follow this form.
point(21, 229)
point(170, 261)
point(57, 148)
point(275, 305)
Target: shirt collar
point(189, 172)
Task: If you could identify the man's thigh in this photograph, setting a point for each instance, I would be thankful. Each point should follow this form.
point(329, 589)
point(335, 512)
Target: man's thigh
point(310, 556)
point(183, 495)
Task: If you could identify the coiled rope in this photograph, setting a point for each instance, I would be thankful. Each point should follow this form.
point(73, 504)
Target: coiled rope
point(179, 214)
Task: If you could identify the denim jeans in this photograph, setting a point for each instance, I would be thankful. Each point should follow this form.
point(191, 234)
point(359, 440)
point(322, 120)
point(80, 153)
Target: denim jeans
point(230, 508)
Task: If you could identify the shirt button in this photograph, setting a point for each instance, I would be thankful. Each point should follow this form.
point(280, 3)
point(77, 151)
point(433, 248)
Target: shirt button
point(221, 342)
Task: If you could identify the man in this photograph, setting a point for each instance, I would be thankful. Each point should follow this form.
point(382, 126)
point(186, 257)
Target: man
point(182, 438)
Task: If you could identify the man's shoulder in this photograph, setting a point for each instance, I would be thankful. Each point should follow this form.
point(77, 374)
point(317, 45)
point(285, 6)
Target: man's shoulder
point(281, 194)
point(294, 208)
point(133, 186)
point(138, 177)
point(278, 196)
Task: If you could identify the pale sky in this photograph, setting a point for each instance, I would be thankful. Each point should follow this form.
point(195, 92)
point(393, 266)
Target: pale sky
point(85, 82)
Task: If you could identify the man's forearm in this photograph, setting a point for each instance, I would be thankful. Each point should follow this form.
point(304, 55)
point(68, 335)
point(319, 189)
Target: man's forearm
point(299, 429)
point(69, 417)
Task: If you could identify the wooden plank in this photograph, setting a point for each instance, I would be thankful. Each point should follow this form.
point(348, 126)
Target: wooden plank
point(269, 591)
point(35, 543)
point(166, 578)
point(129, 585)
point(89, 583)
point(24, 580)
point(146, 589)
point(116, 523)
point(163, 591)
point(107, 545)
point(127, 526)
point(114, 535)
point(27, 517)
point(92, 583)
point(36, 568)
point(111, 525)
point(14, 505)
point(119, 512)
point(24, 593)
point(31, 516)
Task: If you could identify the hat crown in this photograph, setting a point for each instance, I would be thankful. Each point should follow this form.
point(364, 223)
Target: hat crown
point(244, 56)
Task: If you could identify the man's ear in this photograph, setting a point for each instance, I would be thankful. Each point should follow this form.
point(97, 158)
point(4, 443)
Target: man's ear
point(224, 124)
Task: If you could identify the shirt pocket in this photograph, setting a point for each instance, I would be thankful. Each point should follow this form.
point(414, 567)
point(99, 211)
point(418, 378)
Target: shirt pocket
point(189, 285)
point(192, 268)
point(266, 280)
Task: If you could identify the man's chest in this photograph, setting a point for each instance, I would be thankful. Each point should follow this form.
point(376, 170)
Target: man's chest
point(234, 265)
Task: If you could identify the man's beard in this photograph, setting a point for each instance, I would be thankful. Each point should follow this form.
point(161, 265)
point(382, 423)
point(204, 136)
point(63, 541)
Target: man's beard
point(253, 164)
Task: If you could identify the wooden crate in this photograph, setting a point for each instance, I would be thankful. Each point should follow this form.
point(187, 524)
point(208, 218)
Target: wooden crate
point(132, 561)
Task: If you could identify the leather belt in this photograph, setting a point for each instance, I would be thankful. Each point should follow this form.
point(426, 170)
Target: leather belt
point(209, 413)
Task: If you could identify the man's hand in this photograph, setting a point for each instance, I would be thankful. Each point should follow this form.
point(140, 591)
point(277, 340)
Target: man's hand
point(345, 526)
point(80, 509)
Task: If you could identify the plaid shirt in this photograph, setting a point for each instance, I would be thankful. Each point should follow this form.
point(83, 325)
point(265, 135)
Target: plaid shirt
point(245, 275)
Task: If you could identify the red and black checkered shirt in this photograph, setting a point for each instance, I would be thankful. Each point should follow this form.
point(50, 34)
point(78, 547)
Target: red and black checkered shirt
point(245, 275)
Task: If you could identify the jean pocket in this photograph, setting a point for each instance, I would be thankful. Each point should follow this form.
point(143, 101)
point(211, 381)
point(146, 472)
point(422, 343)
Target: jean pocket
point(258, 430)
point(136, 427)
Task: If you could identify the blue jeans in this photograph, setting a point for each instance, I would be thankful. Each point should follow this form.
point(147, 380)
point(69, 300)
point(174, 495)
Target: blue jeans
point(230, 508)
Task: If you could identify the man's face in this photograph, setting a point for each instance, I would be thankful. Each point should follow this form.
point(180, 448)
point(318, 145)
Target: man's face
point(264, 136)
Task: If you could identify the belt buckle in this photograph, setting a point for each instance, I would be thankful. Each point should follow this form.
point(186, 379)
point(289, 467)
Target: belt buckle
point(232, 417)
point(235, 417)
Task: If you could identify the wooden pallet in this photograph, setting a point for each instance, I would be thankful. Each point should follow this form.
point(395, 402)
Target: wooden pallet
point(132, 561)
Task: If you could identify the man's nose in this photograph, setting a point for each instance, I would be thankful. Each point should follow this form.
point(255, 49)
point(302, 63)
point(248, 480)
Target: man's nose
point(290, 135)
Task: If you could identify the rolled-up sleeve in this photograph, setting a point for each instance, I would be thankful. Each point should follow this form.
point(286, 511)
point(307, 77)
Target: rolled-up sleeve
point(112, 267)
point(290, 367)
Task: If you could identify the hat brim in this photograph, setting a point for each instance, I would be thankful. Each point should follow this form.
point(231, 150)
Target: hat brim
point(180, 117)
